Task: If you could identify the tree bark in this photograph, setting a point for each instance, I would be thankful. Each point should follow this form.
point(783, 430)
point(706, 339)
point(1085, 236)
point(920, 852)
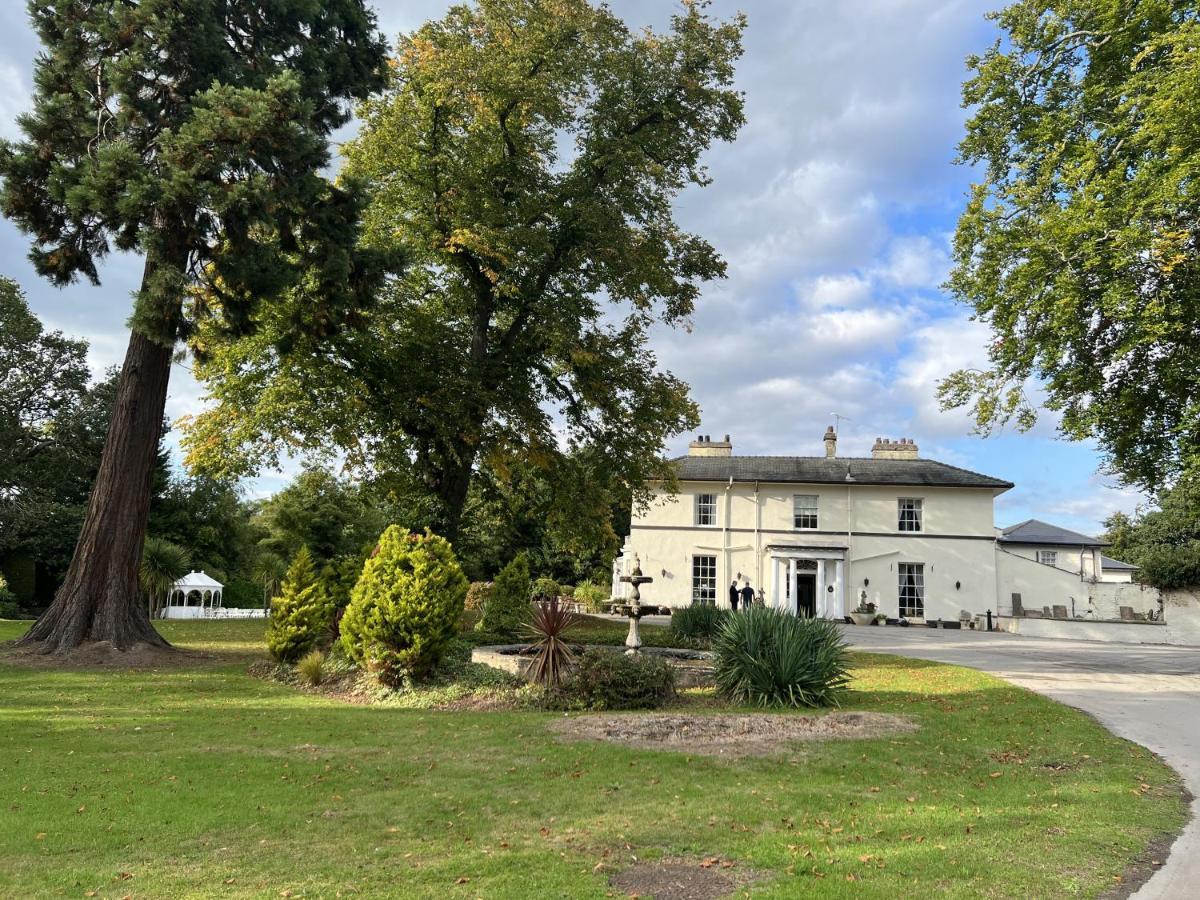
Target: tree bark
point(101, 598)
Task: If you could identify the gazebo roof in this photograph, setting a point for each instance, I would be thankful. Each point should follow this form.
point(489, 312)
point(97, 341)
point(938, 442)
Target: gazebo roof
point(197, 580)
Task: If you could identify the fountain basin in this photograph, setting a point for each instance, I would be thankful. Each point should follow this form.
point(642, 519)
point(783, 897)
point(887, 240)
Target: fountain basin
point(693, 668)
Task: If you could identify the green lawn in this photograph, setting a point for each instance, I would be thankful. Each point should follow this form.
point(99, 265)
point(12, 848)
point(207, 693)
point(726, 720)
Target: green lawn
point(205, 781)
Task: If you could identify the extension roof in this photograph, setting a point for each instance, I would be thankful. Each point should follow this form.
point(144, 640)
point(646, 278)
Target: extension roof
point(1035, 531)
point(832, 470)
point(1107, 562)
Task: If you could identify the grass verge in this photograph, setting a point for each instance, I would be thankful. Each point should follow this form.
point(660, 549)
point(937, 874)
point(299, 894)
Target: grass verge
point(202, 781)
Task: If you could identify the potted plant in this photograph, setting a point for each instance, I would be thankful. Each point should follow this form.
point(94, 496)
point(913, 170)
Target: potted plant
point(864, 613)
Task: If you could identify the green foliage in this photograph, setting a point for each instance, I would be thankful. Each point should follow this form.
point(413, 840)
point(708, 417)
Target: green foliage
point(311, 667)
point(9, 608)
point(241, 593)
point(550, 624)
point(592, 595)
point(404, 610)
point(545, 588)
point(300, 614)
point(698, 622)
point(163, 563)
point(477, 595)
point(332, 516)
point(528, 156)
point(1078, 245)
point(507, 608)
point(609, 679)
point(768, 657)
point(1164, 540)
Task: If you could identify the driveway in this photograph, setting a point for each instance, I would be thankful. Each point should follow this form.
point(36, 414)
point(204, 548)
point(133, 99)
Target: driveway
point(1148, 694)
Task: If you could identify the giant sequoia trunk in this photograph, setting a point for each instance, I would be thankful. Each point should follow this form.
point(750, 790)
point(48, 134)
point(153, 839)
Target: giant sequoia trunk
point(101, 599)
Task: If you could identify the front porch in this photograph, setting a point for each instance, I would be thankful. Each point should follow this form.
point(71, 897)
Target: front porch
point(808, 580)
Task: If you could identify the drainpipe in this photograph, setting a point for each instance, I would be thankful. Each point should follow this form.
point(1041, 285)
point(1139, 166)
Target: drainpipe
point(847, 584)
point(725, 535)
point(758, 567)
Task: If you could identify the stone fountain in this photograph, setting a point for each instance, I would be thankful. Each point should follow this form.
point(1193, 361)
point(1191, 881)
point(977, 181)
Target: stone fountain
point(633, 641)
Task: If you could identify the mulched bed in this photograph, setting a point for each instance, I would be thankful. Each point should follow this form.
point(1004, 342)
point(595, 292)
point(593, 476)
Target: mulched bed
point(718, 735)
point(683, 879)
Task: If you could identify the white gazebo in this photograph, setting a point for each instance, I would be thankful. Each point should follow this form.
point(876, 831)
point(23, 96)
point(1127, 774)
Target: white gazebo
point(194, 596)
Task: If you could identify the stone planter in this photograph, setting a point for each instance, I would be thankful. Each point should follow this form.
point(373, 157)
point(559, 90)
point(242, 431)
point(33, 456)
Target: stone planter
point(862, 618)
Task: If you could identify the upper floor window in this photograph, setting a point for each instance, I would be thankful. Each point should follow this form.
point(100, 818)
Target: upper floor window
point(1048, 557)
point(804, 510)
point(910, 513)
point(706, 509)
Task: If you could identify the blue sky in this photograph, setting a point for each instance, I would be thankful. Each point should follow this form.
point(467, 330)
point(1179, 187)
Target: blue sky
point(834, 210)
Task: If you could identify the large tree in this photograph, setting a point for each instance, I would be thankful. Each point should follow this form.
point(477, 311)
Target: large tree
point(526, 155)
point(1080, 245)
point(193, 132)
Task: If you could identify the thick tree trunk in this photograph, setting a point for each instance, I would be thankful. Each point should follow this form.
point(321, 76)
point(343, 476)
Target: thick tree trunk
point(452, 486)
point(101, 599)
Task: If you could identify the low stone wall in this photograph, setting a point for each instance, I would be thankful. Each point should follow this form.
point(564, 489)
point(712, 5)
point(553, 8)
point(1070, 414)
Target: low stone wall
point(693, 668)
point(1181, 626)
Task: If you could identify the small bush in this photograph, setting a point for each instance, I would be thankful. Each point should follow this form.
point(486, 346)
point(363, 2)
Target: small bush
point(768, 657)
point(567, 590)
point(507, 610)
point(698, 622)
point(477, 595)
point(9, 607)
point(545, 589)
point(311, 667)
point(593, 596)
point(608, 679)
point(404, 610)
point(550, 623)
point(300, 614)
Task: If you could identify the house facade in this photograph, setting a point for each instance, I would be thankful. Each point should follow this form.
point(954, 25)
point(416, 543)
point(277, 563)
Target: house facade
point(819, 535)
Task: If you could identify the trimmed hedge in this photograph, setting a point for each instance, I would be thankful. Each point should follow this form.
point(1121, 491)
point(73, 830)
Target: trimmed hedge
point(507, 610)
point(300, 614)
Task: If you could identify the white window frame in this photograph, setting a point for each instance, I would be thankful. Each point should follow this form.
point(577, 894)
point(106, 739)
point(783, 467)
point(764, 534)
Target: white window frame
point(807, 516)
point(1048, 557)
point(703, 510)
point(704, 579)
point(915, 591)
point(915, 521)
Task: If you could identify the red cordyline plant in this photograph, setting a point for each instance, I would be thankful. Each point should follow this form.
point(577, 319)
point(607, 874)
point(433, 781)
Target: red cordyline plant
point(550, 622)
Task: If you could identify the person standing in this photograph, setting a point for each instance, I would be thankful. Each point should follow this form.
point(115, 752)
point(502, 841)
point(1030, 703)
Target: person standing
point(733, 595)
point(747, 596)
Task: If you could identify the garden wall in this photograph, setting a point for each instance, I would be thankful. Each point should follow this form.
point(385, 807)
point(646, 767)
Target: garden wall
point(1181, 627)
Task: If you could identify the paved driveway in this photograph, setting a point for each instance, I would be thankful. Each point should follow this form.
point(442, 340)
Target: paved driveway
point(1150, 695)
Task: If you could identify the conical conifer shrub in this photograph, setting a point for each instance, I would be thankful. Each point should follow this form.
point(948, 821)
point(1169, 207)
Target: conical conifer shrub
point(300, 614)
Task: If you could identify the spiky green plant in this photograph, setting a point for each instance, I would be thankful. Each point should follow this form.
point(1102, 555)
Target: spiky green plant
point(550, 623)
point(163, 563)
point(311, 667)
point(698, 622)
point(768, 657)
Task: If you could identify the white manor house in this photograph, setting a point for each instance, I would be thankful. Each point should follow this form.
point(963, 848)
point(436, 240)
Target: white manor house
point(819, 535)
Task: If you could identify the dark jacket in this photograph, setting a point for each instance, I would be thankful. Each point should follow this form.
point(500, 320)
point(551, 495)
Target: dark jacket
point(733, 594)
point(747, 596)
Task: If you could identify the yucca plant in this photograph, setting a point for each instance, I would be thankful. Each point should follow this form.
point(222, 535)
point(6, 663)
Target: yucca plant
point(699, 621)
point(550, 622)
point(768, 657)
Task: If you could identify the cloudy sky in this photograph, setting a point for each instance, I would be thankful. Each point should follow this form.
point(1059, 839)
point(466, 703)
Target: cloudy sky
point(834, 210)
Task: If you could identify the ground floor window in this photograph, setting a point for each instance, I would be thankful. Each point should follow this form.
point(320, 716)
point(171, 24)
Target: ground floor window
point(704, 579)
point(912, 590)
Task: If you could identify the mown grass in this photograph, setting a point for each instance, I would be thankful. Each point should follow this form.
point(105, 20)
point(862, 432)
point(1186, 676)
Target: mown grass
point(203, 781)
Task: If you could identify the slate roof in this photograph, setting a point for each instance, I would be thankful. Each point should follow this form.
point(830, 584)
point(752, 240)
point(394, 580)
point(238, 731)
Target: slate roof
point(826, 470)
point(1035, 531)
point(1107, 562)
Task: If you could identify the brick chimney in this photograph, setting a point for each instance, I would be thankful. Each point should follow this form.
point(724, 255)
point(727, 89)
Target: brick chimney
point(830, 443)
point(901, 449)
point(704, 445)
